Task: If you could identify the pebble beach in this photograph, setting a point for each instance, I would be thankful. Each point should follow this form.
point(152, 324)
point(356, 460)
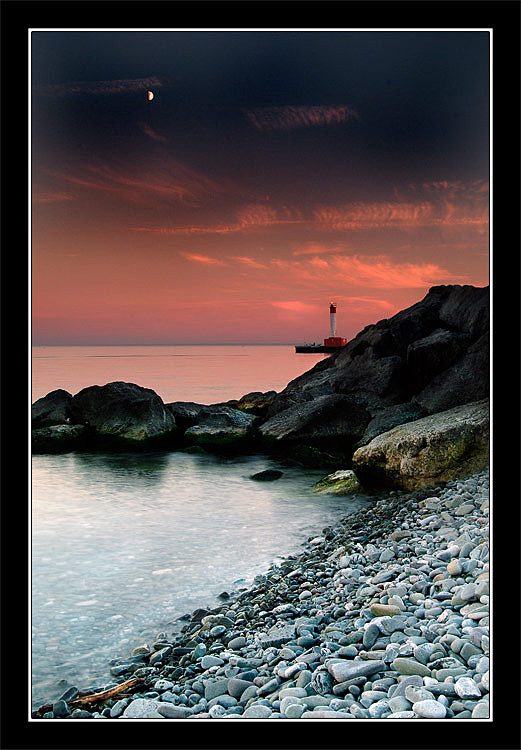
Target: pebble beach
point(383, 616)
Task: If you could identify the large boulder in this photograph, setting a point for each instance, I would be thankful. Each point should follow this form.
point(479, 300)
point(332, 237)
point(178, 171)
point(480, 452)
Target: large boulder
point(124, 413)
point(333, 421)
point(52, 409)
point(60, 438)
point(221, 427)
point(433, 449)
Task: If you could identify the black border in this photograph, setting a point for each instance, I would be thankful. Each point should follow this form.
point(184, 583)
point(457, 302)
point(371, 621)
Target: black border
point(18, 16)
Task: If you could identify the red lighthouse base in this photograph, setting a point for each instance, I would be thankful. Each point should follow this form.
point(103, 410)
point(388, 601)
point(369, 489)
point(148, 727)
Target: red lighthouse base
point(335, 341)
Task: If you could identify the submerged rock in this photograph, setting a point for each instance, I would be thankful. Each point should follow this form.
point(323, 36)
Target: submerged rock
point(269, 475)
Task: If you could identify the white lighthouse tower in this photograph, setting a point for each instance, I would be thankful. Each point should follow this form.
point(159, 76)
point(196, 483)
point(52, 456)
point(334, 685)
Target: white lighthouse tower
point(332, 320)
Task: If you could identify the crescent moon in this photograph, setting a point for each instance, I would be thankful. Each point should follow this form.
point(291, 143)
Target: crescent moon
point(150, 95)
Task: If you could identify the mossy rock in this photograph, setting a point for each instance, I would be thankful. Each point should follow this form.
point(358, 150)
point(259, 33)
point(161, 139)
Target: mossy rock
point(342, 482)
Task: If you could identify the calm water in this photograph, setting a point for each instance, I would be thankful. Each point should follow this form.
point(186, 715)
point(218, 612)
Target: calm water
point(205, 374)
point(123, 544)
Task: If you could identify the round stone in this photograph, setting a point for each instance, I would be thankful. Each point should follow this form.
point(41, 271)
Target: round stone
point(466, 688)
point(411, 667)
point(481, 710)
point(257, 711)
point(295, 711)
point(429, 709)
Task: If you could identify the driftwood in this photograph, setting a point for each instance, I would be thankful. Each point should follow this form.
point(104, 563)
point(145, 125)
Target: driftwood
point(95, 697)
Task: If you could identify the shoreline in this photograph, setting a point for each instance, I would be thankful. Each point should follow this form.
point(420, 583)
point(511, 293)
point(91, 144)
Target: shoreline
point(383, 615)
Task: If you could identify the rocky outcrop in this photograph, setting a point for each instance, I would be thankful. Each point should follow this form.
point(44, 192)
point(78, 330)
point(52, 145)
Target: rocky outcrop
point(436, 448)
point(124, 413)
point(428, 354)
point(52, 409)
point(57, 438)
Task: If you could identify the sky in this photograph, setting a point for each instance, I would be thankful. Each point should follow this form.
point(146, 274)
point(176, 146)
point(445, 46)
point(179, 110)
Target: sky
point(272, 172)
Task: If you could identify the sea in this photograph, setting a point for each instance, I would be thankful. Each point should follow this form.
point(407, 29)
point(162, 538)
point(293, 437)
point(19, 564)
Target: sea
point(124, 544)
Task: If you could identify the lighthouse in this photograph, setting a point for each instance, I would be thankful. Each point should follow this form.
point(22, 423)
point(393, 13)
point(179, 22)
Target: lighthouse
point(333, 341)
point(331, 344)
point(332, 320)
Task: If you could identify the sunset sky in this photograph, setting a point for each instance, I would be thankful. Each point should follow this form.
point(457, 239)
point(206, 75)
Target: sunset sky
point(271, 173)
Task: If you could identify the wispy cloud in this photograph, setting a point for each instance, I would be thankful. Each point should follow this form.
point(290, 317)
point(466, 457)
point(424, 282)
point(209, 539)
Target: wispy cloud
point(319, 248)
point(147, 130)
point(294, 306)
point(51, 197)
point(388, 215)
point(204, 259)
point(173, 181)
point(290, 117)
point(249, 218)
point(378, 272)
point(370, 303)
point(88, 88)
point(251, 262)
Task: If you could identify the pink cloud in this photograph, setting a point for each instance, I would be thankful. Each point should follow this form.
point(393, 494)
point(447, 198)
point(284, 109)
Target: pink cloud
point(378, 272)
point(290, 117)
point(205, 259)
point(172, 182)
point(317, 248)
point(249, 218)
point(385, 215)
point(294, 306)
point(248, 261)
point(51, 197)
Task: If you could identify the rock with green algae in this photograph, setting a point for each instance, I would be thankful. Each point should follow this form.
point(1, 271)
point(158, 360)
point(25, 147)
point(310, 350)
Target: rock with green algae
point(342, 482)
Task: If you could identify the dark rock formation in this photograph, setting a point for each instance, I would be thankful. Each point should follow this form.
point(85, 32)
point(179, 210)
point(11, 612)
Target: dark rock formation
point(390, 417)
point(52, 409)
point(392, 361)
point(185, 413)
point(256, 402)
point(221, 427)
point(123, 412)
point(466, 380)
point(57, 438)
point(333, 421)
